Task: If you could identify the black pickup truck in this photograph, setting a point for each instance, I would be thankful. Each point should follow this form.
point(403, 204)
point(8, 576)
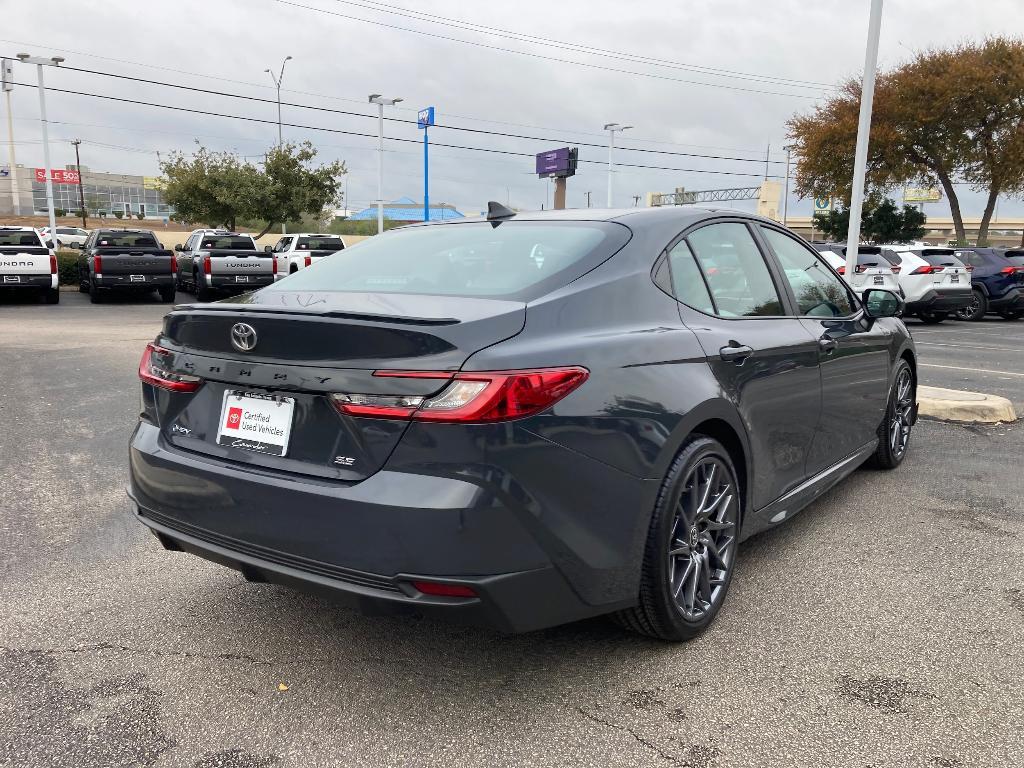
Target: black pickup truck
point(126, 260)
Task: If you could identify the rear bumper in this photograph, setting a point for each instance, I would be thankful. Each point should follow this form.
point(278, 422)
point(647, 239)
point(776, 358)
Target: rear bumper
point(231, 282)
point(532, 564)
point(147, 283)
point(36, 282)
point(1012, 299)
point(941, 301)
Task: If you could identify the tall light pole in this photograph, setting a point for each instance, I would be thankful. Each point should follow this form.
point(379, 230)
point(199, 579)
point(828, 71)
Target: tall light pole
point(40, 62)
point(8, 86)
point(381, 102)
point(860, 158)
point(277, 84)
point(785, 199)
point(81, 184)
point(612, 128)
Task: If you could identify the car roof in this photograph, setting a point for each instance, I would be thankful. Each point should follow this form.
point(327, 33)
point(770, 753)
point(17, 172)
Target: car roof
point(310, 234)
point(684, 214)
point(112, 229)
point(18, 229)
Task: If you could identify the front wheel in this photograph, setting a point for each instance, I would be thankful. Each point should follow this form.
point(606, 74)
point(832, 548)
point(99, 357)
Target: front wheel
point(52, 295)
point(691, 545)
point(95, 294)
point(167, 294)
point(894, 431)
point(976, 310)
point(932, 318)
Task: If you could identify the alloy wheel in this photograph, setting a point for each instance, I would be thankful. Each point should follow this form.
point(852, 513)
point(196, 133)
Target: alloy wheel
point(703, 540)
point(971, 310)
point(899, 427)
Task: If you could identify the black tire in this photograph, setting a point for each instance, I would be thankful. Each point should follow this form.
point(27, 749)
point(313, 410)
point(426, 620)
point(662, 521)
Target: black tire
point(95, 294)
point(52, 295)
point(1013, 314)
point(293, 270)
point(892, 447)
point(167, 294)
point(203, 292)
point(662, 611)
point(976, 310)
point(932, 318)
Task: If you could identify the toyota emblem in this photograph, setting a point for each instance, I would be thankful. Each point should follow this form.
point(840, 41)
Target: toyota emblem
point(243, 337)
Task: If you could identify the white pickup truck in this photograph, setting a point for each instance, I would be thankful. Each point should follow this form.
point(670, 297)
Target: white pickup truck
point(215, 260)
point(27, 263)
point(298, 251)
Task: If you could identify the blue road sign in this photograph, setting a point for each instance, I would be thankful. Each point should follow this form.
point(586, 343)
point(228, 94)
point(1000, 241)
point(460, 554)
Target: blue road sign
point(425, 117)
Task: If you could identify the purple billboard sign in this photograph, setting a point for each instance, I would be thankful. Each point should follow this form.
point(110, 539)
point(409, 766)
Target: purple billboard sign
point(558, 162)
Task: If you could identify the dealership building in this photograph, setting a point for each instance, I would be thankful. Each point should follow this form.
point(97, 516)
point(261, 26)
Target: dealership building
point(104, 193)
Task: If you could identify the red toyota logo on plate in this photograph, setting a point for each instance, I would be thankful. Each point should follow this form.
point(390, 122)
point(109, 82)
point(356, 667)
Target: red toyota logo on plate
point(234, 418)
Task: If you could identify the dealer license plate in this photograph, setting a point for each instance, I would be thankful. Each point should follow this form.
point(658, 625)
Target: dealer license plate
point(12, 278)
point(954, 278)
point(241, 278)
point(254, 421)
point(879, 280)
point(137, 278)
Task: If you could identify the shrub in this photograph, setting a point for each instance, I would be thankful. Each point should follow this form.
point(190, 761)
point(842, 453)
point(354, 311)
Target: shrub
point(118, 214)
point(140, 216)
point(67, 267)
point(59, 212)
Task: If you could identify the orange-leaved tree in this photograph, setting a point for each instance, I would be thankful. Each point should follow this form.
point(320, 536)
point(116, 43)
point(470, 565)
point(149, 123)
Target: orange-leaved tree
point(945, 117)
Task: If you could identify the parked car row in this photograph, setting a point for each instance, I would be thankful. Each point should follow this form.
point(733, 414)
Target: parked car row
point(27, 262)
point(997, 282)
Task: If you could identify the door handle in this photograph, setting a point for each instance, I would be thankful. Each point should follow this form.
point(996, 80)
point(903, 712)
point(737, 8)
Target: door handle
point(827, 345)
point(735, 353)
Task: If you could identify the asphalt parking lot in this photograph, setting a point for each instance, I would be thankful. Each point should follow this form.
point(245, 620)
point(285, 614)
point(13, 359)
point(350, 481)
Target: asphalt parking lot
point(883, 626)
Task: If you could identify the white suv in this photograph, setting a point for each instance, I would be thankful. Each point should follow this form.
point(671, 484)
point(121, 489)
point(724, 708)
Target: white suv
point(298, 251)
point(935, 282)
point(872, 270)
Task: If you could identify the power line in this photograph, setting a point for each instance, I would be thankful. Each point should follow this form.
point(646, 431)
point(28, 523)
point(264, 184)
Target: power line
point(379, 7)
point(349, 113)
point(246, 118)
point(541, 56)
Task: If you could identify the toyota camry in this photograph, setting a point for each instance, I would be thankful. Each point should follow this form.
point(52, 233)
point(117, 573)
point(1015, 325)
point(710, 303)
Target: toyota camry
point(523, 419)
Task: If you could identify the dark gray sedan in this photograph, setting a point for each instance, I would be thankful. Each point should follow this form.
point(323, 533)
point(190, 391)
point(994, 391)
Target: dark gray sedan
point(524, 419)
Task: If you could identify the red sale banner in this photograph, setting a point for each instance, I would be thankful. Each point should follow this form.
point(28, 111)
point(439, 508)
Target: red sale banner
point(59, 176)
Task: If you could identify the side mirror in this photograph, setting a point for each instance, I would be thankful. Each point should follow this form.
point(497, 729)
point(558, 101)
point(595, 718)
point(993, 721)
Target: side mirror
point(879, 302)
point(178, 247)
point(268, 249)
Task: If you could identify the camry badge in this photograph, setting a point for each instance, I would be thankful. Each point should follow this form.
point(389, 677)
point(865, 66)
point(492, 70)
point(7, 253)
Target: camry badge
point(243, 337)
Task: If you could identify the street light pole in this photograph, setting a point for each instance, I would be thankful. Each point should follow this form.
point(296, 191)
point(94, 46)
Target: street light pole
point(612, 128)
point(785, 199)
point(380, 101)
point(867, 95)
point(41, 62)
point(81, 184)
point(277, 84)
point(8, 86)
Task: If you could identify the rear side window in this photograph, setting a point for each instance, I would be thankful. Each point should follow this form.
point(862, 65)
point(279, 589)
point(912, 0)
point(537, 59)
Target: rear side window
point(687, 283)
point(737, 274)
point(515, 259)
point(892, 257)
point(971, 257)
point(226, 243)
point(126, 240)
point(1017, 257)
point(818, 292)
point(15, 237)
point(319, 244)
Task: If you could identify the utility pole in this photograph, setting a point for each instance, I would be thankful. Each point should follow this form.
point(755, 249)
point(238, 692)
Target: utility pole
point(40, 62)
point(380, 101)
point(636, 200)
point(612, 128)
point(588, 199)
point(81, 185)
point(8, 86)
point(767, 152)
point(785, 199)
point(277, 84)
point(867, 95)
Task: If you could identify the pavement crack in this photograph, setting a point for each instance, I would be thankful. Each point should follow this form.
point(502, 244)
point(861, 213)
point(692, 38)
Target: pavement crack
point(100, 647)
point(667, 756)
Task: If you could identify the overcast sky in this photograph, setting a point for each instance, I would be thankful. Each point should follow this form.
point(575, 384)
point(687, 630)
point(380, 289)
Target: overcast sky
point(348, 49)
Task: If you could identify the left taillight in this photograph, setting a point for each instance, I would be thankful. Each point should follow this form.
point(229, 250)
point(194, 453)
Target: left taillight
point(174, 265)
point(152, 370)
point(53, 264)
point(307, 261)
point(469, 398)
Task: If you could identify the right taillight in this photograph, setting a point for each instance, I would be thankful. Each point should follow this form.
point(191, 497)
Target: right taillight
point(1010, 270)
point(206, 265)
point(469, 398)
point(307, 261)
point(926, 270)
point(895, 269)
point(152, 370)
point(97, 264)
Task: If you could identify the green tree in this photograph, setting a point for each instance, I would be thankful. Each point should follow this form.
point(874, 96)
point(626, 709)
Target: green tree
point(212, 187)
point(834, 224)
point(291, 187)
point(881, 222)
point(945, 116)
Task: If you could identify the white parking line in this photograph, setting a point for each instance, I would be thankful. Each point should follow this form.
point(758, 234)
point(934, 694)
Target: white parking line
point(979, 332)
point(1018, 350)
point(972, 370)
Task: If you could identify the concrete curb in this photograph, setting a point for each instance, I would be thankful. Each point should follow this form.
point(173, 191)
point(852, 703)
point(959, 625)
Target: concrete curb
point(957, 405)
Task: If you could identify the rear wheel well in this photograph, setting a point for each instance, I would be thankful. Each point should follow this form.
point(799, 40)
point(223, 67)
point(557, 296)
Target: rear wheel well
point(722, 431)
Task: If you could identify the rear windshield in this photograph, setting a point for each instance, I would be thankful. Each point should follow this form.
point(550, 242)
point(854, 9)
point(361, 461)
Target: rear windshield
point(939, 258)
point(28, 239)
point(1017, 257)
point(516, 259)
point(127, 240)
point(227, 243)
point(66, 231)
point(319, 244)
